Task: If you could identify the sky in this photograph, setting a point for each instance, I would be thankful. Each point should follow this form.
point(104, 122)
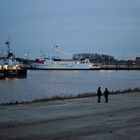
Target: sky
point(77, 26)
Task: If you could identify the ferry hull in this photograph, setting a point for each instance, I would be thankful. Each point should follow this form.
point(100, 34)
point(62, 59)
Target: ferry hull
point(65, 68)
point(65, 65)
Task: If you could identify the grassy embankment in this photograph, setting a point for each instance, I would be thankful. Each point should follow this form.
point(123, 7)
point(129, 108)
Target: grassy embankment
point(84, 95)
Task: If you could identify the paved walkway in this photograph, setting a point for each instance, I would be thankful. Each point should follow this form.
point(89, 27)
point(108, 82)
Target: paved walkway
point(78, 119)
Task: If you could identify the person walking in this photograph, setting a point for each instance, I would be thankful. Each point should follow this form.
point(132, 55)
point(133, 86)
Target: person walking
point(99, 94)
point(106, 92)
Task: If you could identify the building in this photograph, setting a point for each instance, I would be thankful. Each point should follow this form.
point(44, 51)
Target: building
point(137, 61)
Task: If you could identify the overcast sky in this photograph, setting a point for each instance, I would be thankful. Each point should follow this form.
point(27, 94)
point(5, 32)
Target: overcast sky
point(76, 26)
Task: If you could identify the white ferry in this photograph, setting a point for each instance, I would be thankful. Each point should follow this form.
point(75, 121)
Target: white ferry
point(54, 63)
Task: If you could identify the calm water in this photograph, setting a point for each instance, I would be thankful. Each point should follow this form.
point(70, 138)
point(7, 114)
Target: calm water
point(40, 84)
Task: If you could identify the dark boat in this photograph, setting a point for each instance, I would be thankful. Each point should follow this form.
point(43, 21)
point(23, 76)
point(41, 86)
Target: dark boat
point(9, 66)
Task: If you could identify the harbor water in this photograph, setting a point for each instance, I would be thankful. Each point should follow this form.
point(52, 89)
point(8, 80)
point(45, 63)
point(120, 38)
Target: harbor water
point(46, 84)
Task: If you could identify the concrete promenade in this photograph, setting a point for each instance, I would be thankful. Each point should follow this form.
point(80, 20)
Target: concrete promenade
point(77, 119)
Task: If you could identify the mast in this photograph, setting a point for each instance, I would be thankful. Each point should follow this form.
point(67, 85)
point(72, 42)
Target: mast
point(8, 46)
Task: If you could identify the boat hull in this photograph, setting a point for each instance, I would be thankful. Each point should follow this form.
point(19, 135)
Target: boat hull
point(18, 73)
point(62, 69)
point(65, 66)
point(2, 75)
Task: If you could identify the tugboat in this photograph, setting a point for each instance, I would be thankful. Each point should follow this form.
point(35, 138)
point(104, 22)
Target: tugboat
point(9, 66)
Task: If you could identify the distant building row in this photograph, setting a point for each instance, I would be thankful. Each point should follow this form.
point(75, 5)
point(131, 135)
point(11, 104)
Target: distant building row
point(106, 59)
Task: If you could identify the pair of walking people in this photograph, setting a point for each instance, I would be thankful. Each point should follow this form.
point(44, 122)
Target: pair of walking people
point(99, 93)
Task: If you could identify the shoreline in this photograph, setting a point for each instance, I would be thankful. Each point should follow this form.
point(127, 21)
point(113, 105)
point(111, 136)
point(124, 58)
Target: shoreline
point(79, 96)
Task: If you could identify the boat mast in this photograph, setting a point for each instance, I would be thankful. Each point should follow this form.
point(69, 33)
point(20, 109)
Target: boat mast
point(8, 46)
point(58, 51)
